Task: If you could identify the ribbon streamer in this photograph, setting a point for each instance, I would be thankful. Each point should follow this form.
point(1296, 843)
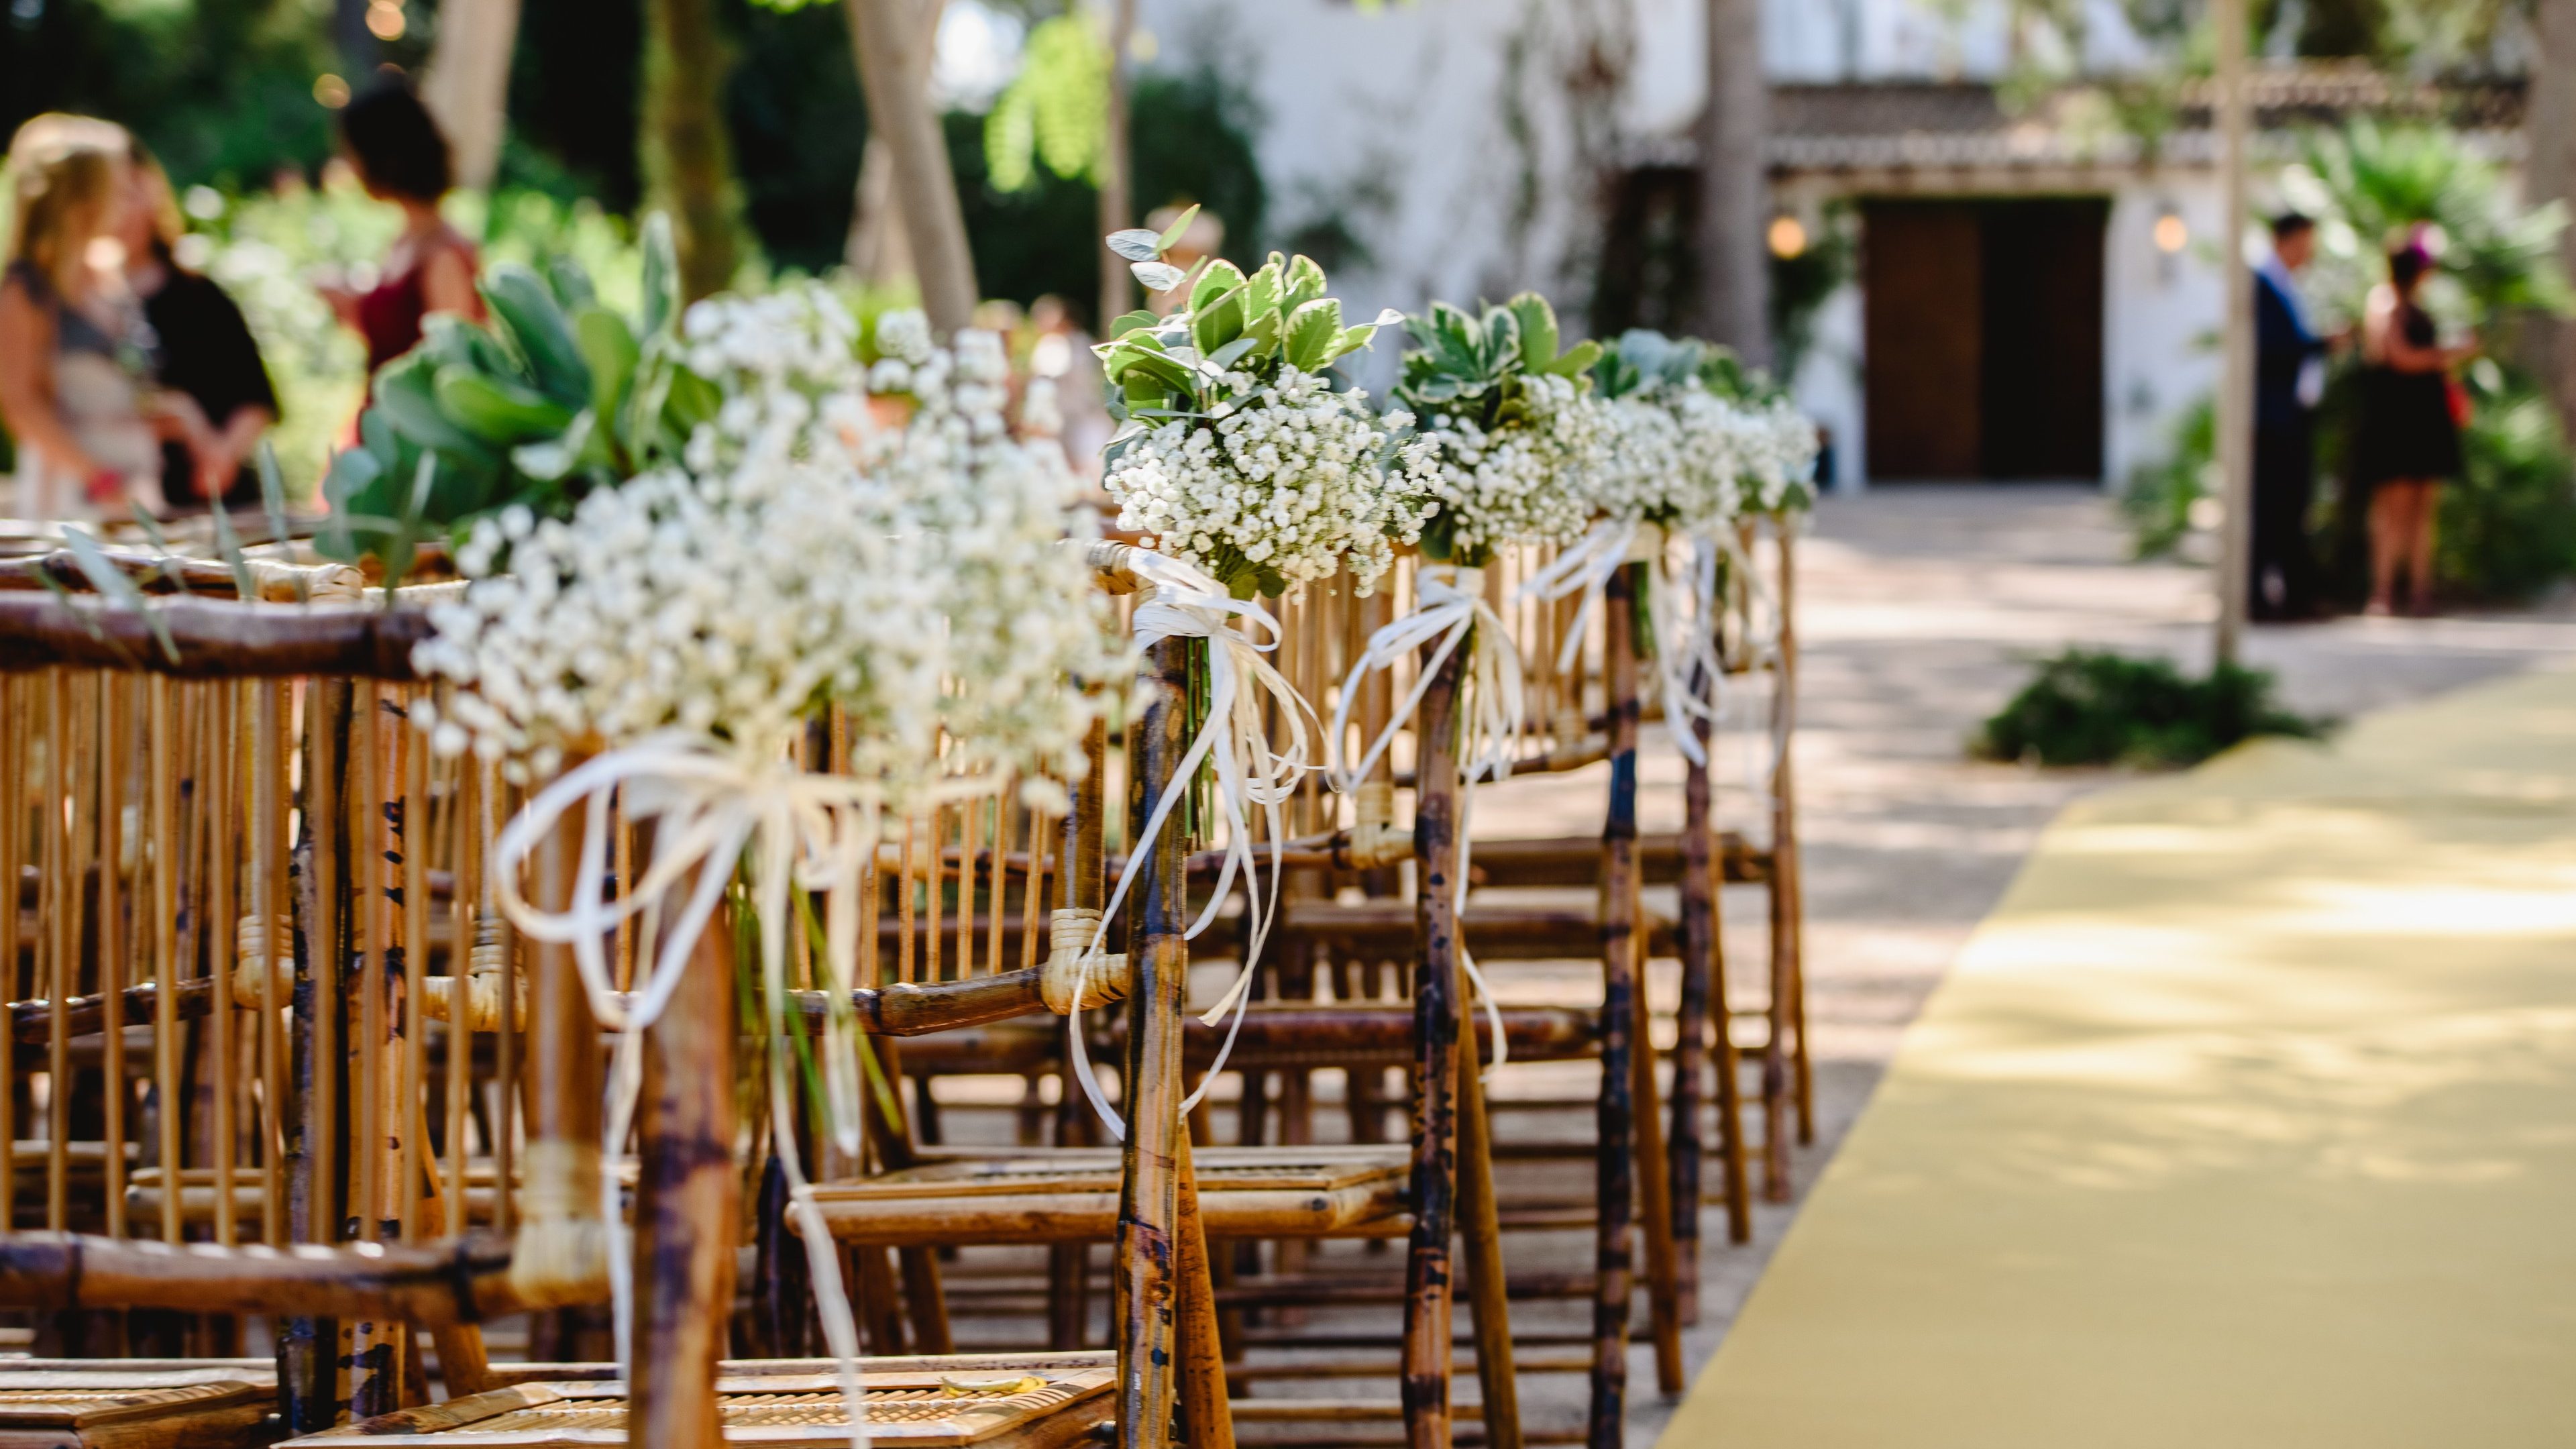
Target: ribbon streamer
point(1184, 603)
point(1449, 606)
point(714, 801)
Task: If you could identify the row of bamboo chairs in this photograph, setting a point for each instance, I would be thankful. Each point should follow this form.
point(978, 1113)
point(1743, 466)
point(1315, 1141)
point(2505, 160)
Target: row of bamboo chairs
point(265, 1000)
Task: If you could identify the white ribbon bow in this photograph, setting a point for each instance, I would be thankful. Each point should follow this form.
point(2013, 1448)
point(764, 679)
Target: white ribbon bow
point(714, 800)
point(1449, 605)
point(1184, 603)
point(1584, 567)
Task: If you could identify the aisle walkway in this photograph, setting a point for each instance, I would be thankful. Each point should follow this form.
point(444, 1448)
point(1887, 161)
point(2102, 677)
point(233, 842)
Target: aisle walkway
point(2249, 1118)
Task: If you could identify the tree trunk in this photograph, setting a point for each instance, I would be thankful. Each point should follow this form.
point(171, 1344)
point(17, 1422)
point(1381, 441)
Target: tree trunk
point(896, 76)
point(1117, 188)
point(878, 249)
point(2549, 174)
point(1734, 186)
point(687, 162)
point(468, 86)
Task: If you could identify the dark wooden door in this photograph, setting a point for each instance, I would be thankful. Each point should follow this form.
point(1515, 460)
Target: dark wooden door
point(2042, 409)
point(1923, 279)
point(1983, 334)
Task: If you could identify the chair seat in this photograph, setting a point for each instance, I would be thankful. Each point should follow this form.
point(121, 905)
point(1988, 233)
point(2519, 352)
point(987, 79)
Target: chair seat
point(1034, 1401)
point(1071, 1194)
point(133, 1407)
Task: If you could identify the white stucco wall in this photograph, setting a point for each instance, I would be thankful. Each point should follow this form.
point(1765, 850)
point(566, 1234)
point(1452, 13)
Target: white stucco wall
point(2163, 313)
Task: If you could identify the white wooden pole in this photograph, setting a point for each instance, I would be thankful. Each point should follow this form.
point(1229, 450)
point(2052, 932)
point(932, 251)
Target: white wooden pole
point(2236, 384)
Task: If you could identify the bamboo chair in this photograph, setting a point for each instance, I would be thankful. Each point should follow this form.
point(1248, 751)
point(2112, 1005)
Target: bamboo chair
point(321, 1133)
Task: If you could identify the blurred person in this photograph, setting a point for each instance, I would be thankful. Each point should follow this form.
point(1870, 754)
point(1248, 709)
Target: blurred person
point(401, 157)
point(2408, 439)
point(1059, 352)
point(2289, 379)
point(76, 383)
point(204, 351)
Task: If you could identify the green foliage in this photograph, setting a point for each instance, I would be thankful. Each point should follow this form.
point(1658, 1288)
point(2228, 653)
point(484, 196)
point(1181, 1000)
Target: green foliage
point(1642, 360)
point(558, 395)
point(1056, 110)
point(2508, 525)
point(1258, 325)
point(222, 90)
point(2159, 497)
point(2368, 182)
point(2094, 707)
point(1478, 367)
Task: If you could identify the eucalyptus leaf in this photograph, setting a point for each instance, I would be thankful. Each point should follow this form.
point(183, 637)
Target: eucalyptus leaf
point(1136, 244)
point(1180, 225)
point(1157, 276)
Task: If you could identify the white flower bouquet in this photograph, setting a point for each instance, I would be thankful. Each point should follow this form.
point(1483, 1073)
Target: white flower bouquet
point(1509, 435)
point(1239, 453)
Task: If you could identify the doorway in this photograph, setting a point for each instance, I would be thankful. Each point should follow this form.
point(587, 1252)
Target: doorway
point(1983, 334)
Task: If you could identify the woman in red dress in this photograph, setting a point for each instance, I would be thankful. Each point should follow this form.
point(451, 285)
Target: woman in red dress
point(402, 158)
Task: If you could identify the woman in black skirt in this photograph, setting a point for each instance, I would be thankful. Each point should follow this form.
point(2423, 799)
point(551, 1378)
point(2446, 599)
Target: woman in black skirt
point(2408, 440)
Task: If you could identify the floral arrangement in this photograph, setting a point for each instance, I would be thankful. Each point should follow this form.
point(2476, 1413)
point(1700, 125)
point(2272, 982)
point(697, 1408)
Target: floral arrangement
point(1237, 451)
point(1697, 439)
point(798, 552)
point(1509, 437)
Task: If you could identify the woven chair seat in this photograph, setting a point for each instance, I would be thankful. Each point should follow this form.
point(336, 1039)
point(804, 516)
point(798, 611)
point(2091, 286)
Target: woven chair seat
point(132, 1408)
point(991, 1401)
point(1071, 1195)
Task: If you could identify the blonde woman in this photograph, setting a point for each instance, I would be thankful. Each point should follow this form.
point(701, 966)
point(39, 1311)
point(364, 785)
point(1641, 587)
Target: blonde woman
point(75, 352)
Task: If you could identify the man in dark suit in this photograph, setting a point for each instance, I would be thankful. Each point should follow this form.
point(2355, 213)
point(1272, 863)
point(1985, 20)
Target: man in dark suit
point(2289, 377)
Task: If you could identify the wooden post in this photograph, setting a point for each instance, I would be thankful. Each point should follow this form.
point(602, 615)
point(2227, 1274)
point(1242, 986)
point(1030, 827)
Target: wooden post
point(688, 1202)
point(1149, 1196)
point(2236, 378)
point(1788, 858)
point(1081, 865)
point(1614, 1194)
point(1428, 1275)
point(899, 109)
point(1117, 182)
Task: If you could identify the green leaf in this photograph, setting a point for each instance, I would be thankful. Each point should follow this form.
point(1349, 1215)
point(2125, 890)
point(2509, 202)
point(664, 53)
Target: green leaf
point(407, 403)
point(1219, 321)
point(1303, 283)
point(1157, 276)
point(571, 282)
point(1312, 331)
point(610, 351)
point(1173, 233)
point(1132, 322)
point(1261, 291)
point(1538, 331)
point(1575, 360)
point(661, 277)
point(524, 305)
point(693, 400)
point(272, 492)
point(228, 547)
point(1354, 339)
point(1169, 372)
point(548, 460)
point(498, 410)
point(1215, 280)
point(112, 583)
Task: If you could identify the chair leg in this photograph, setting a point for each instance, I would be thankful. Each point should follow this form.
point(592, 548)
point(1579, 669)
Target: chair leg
point(1690, 1030)
point(1205, 1409)
point(1480, 1223)
point(1614, 1199)
point(1654, 1197)
point(1429, 1280)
